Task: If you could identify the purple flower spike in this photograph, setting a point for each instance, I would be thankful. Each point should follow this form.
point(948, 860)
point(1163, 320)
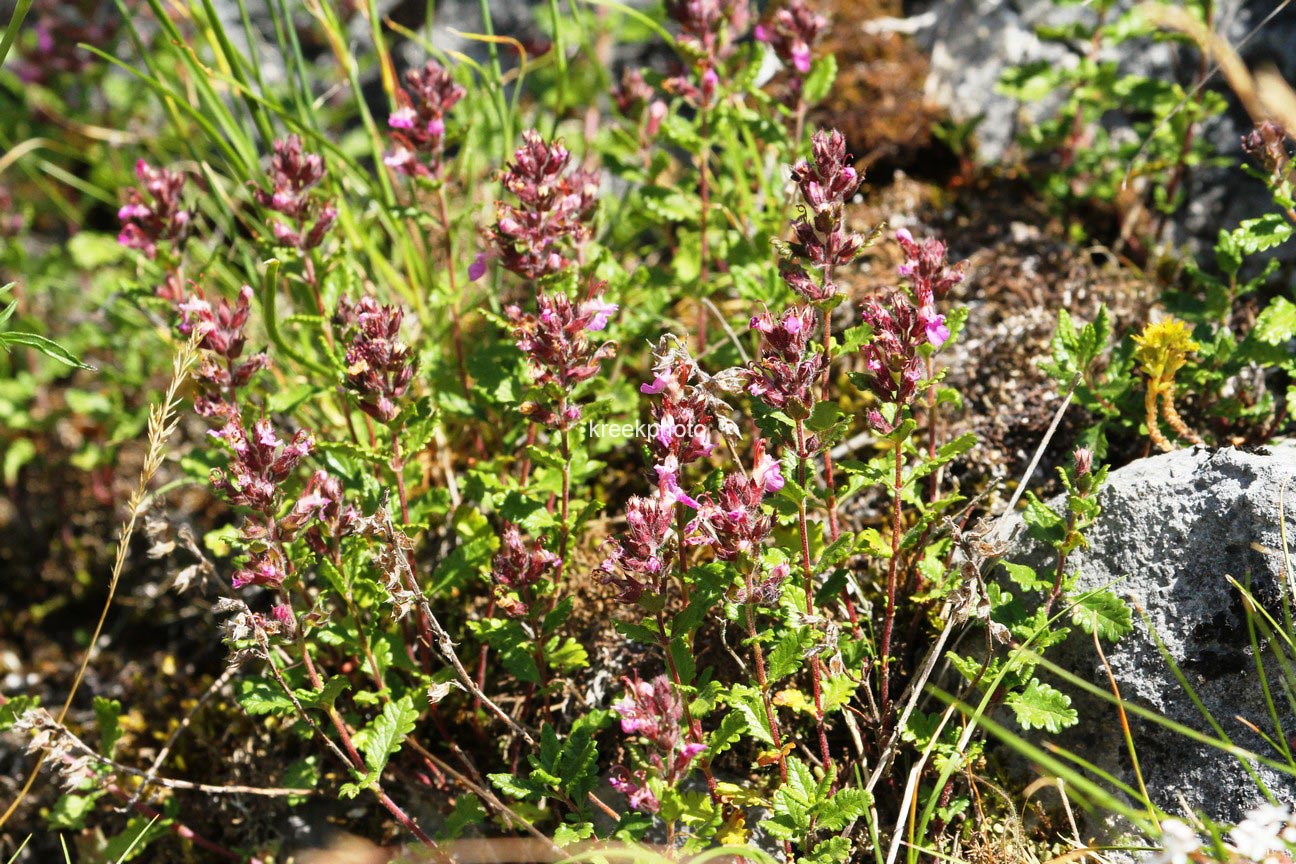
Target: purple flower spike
point(379, 365)
point(556, 341)
point(146, 222)
point(418, 125)
point(793, 32)
point(293, 174)
point(784, 375)
point(932, 278)
point(534, 237)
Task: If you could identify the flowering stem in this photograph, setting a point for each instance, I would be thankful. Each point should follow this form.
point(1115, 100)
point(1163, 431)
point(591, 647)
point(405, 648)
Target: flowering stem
point(694, 727)
point(456, 331)
point(761, 678)
point(564, 529)
point(1151, 418)
point(1061, 568)
point(834, 525)
point(888, 622)
point(808, 573)
point(704, 192)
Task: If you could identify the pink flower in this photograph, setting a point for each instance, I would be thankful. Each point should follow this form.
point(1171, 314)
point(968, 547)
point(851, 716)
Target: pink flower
point(600, 311)
point(264, 570)
point(794, 29)
point(733, 522)
point(767, 473)
point(556, 340)
point(402, 118)
point(477, 269)
point(640, 556)
point(635, 788)
point(892, 363)
point(784, 374)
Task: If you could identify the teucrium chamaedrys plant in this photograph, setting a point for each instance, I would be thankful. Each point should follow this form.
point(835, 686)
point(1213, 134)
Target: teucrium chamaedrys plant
point(410, 324)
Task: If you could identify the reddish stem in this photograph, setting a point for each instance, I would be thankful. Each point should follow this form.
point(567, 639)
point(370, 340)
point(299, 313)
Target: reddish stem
point(808, 573)
point(888, 622)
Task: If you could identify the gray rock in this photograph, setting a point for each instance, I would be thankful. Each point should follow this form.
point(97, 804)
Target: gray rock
point(1172, 528)
point(972, 42)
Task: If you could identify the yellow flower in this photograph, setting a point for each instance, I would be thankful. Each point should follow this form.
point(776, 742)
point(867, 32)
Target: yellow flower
point(1163, 348)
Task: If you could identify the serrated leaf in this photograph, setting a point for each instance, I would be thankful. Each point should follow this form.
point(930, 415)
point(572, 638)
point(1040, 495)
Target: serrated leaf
point(1042, 706)
point(843, 808)
point(834, 850)
point(1104, 612)
point(108, 717)
point(385, 736)
point(263, 696)
point(1025, 577)
point(787, 655)
point(324, 698)
point(565, 834)
point(511, 786)
point(1262, 233)
point(1043, 522)
point(746, 700)
point(1276, 325)
point(823, 72)
point(726, 734)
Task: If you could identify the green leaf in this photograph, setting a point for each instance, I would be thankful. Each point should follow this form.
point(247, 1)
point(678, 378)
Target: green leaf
point(685, 663)
point(1042, 706)
point(1043, 522)
point(1026, 577)
point(260, 695)
point(1263, 233)
point(17, 454)
point(302, 774)
point(382, 739)
point(48, 347)
point(793, 802)
point(512, 786)
point(312, 698)
point(70, 811)
point(14, 708)
point(834, 850)
point(823, 72)
point(1102, 612)
point(843, 808)
point(671, 205)
point(90, 250)
point(108, 716)
point(746, 700)
point(788, 655)
point(468, 811)
point(726, 734)
point(568, 657)
point(1276, 325)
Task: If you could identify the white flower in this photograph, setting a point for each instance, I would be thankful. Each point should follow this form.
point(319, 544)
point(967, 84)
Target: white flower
point(1178, 842)
point(1261, 832)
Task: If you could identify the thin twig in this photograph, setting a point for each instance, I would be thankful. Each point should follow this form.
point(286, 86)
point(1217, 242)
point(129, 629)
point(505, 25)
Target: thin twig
point(175, 734)
point(67, 742)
